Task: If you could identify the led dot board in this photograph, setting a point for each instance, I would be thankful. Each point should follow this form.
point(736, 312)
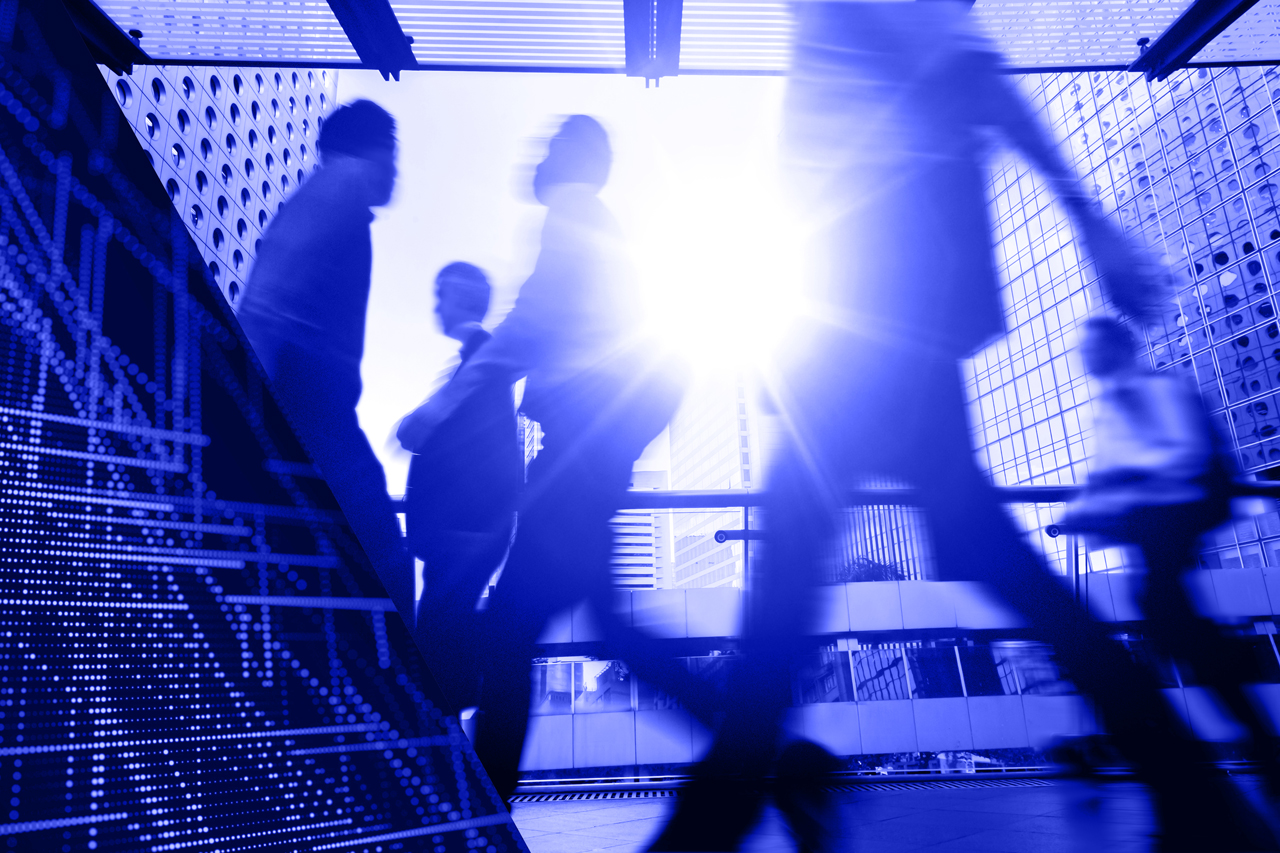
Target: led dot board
point(194, 651)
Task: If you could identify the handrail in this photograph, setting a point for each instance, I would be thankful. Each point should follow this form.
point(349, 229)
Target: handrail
point(743, 498)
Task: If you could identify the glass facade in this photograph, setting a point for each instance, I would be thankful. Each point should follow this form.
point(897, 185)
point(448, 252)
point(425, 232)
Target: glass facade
point(846, 671)
point(1185, 165)
point(712, 447)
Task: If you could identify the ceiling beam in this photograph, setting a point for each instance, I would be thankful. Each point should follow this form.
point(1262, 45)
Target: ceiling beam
point(651, 35)
point(375, 33)
point(108, 44)
point(1200, 24)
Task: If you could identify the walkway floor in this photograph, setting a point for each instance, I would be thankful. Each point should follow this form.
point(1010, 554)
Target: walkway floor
point(1033, 816)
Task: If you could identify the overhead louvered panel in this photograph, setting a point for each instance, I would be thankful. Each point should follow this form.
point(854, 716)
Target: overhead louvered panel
point(738, 35)
point(235, 32)
point(559, 33)
point(730, 36)
point(1046, 34)
point(1255, 37)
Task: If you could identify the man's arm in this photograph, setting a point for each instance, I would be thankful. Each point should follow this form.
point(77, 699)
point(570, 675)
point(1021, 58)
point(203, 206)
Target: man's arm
point(518, 345)
point(1131, 276)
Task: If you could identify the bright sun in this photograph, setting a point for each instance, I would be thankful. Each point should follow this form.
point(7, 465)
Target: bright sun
point(719, 258)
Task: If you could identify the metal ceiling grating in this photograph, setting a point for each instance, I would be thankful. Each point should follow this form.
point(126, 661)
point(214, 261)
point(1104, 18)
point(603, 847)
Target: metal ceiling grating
point(237, 32)
point(1255, 37)
point(718, 35)
point(746, 35)
point(585, 33)
point(1072, 33)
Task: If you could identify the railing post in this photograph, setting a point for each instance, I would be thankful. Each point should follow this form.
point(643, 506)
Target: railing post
point(1074, 549)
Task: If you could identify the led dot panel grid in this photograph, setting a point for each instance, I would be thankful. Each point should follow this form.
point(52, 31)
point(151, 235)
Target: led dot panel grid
point(1186, 165)
point(229, 144)
point(717, 35)
point(194, 652)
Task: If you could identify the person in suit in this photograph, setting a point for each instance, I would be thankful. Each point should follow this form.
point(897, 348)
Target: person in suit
point(461, 495)
point(304, 310)
point(601, 392)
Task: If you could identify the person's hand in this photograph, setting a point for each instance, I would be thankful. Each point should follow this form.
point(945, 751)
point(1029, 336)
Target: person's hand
point(418, 426)
point(1132, 276)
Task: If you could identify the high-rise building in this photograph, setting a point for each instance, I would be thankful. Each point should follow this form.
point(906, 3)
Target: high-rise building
point(1187, 165)
point(229, 145)
point(642, 540)
point(529, 434)
point(714, 445)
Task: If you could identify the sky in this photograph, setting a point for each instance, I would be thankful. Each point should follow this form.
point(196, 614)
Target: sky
point(693, 186)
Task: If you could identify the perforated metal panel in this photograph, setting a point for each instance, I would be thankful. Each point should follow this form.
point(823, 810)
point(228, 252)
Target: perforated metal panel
point(1255, 37)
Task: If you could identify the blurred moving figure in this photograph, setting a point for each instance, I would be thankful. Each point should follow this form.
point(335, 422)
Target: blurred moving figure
point(461, 497)
point(304, 312)
point(887, 109)
point(1161, 479)
point(601, 396)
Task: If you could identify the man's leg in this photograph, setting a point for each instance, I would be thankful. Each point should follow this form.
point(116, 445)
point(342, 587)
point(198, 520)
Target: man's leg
point(1169, 548)
point(457, 565)
point(561, 548)
point(325, 420)
point(975, 539)
point(726, 797)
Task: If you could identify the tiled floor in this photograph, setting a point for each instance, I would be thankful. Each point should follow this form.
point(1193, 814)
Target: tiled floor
point(1062, 817)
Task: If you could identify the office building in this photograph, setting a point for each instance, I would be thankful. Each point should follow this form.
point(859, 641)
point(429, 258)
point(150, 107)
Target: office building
point(1186, 165)
point(230, 145)
point(642, 556)
point(714, 445)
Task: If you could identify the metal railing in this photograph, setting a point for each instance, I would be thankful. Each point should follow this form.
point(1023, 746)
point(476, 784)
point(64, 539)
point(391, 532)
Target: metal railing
point(745, 499)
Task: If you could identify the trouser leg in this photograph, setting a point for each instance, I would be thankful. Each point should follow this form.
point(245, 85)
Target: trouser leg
point(1179, 631)
point(560, 556)
point(457, 567)
point(511, 627)
point(981, 543)
point(324, 417)
point(726, 796)
point(782, 597)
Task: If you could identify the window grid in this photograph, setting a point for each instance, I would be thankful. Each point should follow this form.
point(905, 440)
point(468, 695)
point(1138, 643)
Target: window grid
point(1187, 164)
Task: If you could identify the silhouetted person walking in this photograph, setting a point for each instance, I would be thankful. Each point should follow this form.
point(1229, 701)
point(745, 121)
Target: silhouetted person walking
point(1161, 479)
point(304, 312)
point(886, 111)
point(461, 498)
point(601, 395)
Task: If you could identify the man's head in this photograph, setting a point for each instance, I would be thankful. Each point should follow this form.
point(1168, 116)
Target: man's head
point(362, 137)
point(462, 296)
point(1107, 347)
point(579, 153)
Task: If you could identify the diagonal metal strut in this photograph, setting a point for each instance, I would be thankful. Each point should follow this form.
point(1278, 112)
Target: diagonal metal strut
point(375, 33)
point(1200, 24)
